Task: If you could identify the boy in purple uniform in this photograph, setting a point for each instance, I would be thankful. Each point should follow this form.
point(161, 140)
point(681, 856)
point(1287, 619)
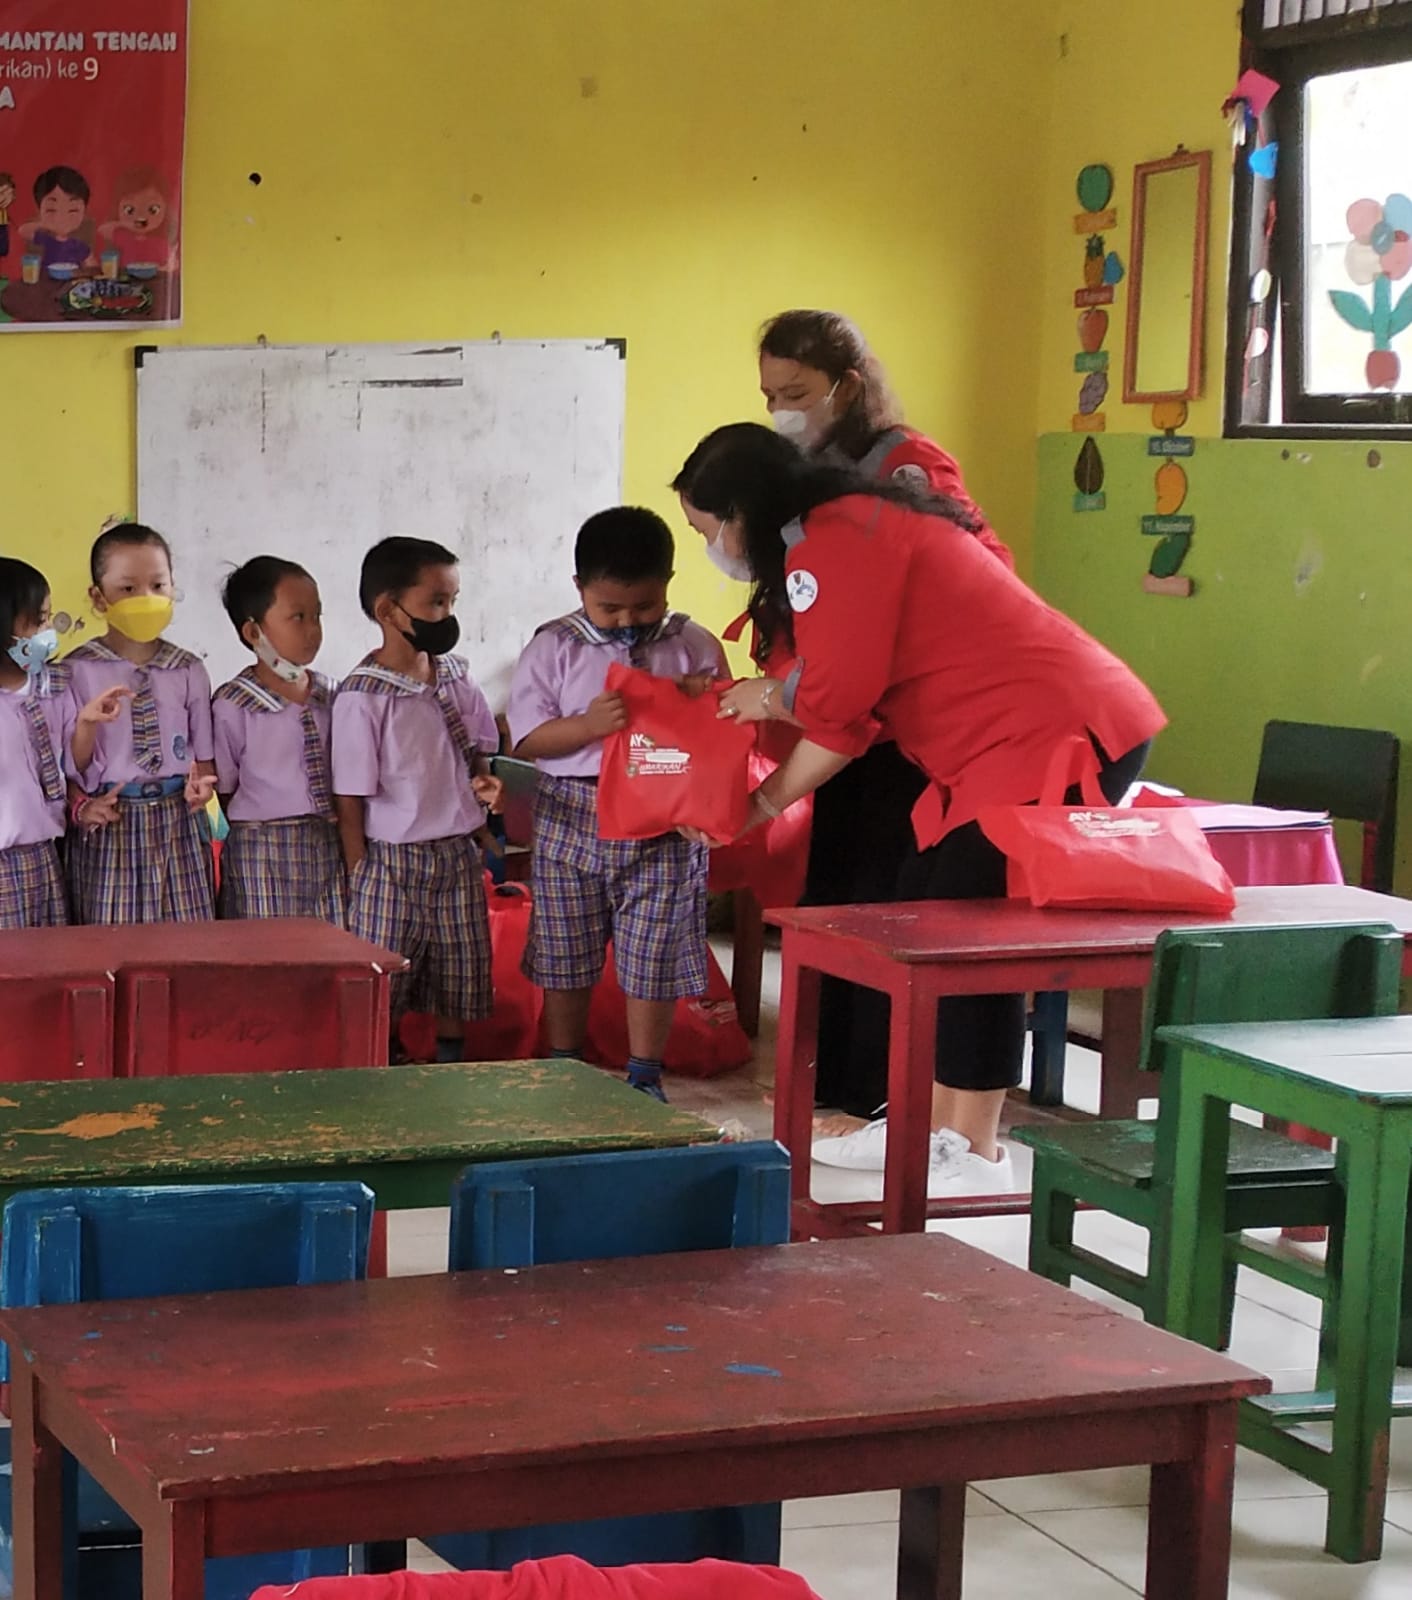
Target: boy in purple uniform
point(37, 721)
point(648, 896)
point(140, 849)
point(272, 731)
point(411, 736)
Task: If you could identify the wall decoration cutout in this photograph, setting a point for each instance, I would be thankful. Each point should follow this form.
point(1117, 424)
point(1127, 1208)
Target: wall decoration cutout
point(1171, 526)
point(1379, 254)
point(1088, 478)
point(1102, 271)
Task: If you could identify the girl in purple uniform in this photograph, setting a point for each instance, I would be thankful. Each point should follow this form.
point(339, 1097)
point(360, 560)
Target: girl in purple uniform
point(37, 720)
point(647, 896)
point(140, 849)
point(272, 726)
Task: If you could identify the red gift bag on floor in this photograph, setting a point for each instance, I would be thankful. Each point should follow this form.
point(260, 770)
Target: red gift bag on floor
point(677, 764)
point(1098, 857)
point(706, 1037)
point(771, 860)
point(511, 1033)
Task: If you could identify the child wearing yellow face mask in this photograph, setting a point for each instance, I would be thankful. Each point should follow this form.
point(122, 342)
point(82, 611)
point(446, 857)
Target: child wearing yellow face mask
point(140, 850)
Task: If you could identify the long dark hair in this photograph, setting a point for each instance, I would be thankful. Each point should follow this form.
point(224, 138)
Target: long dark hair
point(747, 473)
point(831, 344)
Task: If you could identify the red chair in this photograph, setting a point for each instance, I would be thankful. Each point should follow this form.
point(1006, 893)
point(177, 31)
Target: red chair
point(561, 1578)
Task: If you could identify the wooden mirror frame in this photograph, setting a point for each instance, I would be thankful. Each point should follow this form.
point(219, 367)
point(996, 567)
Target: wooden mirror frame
point(1196, 343)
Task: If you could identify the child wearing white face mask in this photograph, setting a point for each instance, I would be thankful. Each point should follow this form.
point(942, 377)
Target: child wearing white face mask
point(272, 730)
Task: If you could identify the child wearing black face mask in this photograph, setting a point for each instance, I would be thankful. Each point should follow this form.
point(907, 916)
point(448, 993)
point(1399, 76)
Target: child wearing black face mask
point(412, 734)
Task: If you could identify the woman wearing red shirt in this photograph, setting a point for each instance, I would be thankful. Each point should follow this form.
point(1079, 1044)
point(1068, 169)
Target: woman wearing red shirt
point(903, 626)
point(827, 393)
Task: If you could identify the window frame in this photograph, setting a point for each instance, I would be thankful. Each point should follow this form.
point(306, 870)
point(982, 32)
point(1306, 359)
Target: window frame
point(1293, 54)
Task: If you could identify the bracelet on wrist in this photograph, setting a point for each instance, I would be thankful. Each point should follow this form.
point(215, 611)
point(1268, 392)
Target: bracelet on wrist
point(767, 697)
point(765, 804)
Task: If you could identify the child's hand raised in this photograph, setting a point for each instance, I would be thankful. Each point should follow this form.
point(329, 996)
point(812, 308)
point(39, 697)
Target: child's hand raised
point(106, 707)
point(200, 788)
point(489, 791)
point(607, 714)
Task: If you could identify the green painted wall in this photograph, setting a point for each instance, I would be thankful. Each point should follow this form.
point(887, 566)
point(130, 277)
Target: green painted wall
point(1303, 607)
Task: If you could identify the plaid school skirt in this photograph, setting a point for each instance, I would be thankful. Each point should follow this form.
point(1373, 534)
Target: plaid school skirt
point(153, 864)
point(426, 901)
point(32, 887)
point(290, 868)
point(647, 895)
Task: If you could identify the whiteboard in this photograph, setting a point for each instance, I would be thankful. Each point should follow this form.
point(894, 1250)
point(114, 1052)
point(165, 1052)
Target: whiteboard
point(498, 450)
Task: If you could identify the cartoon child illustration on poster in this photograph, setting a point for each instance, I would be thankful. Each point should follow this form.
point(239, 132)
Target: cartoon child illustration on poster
point(143, 231)
point(62, 233)
point(7, 199)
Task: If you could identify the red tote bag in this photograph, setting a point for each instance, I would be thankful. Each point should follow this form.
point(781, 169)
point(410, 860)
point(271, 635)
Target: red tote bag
point(772, 859)
point(677, 764)
point(1098, 857)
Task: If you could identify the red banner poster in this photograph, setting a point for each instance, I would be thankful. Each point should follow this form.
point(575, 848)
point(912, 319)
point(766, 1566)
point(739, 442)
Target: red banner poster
point(92, 118)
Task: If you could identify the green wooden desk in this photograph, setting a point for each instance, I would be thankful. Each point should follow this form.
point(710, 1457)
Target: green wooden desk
point(404, 1131)
point(1351, 1079)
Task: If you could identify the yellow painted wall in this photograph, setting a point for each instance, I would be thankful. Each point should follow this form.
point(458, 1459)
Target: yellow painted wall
point(1133, 79)
point(667, 170)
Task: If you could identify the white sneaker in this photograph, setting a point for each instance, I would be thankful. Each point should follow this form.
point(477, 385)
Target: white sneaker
point(865, 1149)
point(956, 1169)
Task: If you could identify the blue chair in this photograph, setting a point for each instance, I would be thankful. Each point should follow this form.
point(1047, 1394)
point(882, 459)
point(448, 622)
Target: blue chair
point(63, 1246)
point(588, 1208)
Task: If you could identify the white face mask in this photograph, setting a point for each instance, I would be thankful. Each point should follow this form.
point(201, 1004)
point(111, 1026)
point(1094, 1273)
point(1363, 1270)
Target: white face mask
point(736, 567)
point(807, 427)
point(286, 671)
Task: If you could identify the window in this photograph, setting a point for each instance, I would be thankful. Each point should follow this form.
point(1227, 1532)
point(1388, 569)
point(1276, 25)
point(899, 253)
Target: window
point(1320, 322)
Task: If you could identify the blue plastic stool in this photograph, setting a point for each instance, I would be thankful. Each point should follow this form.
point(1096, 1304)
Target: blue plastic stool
point(63, 1246)
point(587, 1208)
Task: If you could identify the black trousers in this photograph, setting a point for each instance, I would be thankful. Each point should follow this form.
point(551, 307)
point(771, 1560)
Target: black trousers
point(980, 1038)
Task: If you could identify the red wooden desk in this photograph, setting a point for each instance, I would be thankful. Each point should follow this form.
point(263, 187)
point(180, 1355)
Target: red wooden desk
point(216, 996)
point(916, 953)
point(277, 1419)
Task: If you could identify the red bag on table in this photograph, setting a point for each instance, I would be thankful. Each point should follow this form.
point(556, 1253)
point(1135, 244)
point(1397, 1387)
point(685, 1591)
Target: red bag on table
point(511, 1032)
point(677, 764)
point(771, 860)
point(1098, 857)
point(706, 1037)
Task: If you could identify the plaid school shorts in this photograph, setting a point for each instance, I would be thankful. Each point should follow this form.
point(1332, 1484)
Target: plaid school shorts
point(647, 895)
point(291, 868)
point(32, 887)
point(427, 902)
point(153, 864)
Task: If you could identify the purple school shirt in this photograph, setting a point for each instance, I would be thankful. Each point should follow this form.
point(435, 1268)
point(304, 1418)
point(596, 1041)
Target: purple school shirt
point(563, 668)
point(182, 691)
point(392, 748)
point(26, 817)
point(260, 758)
point(52, 249)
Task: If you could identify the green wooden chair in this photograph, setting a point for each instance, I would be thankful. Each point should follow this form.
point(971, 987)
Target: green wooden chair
point(1124, 1167)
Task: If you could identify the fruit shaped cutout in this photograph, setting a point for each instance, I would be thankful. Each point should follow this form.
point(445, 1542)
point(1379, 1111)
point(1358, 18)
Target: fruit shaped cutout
point(1095, 187)
point(1093, 262)
point(1167, 558)
point(1171, 489)
point(1169, 415)
point(1088, 469)
point(1093, 393)
point(1093, 329)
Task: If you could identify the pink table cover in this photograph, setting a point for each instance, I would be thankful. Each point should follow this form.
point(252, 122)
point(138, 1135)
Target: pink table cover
point(560, 1578)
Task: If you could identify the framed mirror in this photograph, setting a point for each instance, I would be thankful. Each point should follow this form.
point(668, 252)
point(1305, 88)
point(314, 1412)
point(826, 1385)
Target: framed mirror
point(1165, 358)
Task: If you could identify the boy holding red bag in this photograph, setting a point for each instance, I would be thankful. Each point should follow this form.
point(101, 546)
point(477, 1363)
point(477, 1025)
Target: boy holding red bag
point(647, 895)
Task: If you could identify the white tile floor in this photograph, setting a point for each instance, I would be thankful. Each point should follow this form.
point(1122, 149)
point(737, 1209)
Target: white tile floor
point(1078, 1535)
